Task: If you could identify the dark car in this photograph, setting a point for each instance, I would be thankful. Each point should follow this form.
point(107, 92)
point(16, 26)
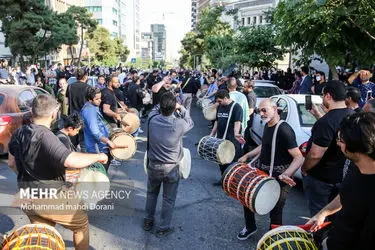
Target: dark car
point(15, 110)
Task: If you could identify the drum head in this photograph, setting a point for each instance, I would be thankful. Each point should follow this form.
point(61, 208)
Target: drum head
point(185, 165)
point(130, 123)
point(267, 195)
point(123, 139)
point(226, 152)
point(205, 103)
point(210, 113)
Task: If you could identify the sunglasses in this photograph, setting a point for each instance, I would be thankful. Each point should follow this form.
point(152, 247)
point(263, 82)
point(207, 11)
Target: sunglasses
point(257, 111)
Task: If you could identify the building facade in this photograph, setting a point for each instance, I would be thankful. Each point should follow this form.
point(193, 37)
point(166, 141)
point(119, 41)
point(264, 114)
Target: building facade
point(147, 46)
point(159, 34)
point(194, 13)
point(121, 18)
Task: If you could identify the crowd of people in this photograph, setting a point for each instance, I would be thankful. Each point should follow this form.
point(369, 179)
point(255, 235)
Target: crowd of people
point(338, 168)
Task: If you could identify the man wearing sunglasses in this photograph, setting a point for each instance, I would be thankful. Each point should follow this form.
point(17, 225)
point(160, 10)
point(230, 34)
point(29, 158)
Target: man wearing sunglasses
point(287, 161)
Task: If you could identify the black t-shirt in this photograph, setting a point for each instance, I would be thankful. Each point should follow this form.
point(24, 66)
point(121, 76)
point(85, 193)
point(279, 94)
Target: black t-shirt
point(135, 96)
point(222, 118)
point(157, 96)
point(285, 140)
point(76, 94)
point(222, 86)
point(39, 155)
point(354, 225)
point(324, 134)
point(65, 140)
point(251, 99)
point(152, 80)
point(190, 85)
point(108, 97)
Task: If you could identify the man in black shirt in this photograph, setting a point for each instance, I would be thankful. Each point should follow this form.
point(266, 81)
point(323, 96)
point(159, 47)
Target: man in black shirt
point(39, 160)
point(234, 129)
point(353, 97)
point(159, 89)
point(189, 87)
point(324, 163)
point(288, 159)
point(136, 94)
point(354, 224)
point(153, 79)
point(76, 92)
point(109, 103)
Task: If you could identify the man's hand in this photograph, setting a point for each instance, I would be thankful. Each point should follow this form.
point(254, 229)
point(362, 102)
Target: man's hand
point(240, 139)
point(286, 177)
point(103, 158)
point(316, 222)
point(111, 144)
point(178, 106)
point(243, 159)
point(118, 117)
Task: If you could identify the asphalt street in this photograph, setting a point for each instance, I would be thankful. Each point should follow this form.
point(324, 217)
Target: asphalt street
point(204, 217)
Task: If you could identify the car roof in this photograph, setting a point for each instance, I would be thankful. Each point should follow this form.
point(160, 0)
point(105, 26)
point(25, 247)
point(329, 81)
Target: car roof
point(264, 84)
point(264, 81)
point(300, 98)
point(15, 89)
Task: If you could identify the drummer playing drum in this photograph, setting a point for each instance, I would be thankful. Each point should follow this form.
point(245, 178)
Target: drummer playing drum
point(95, 130)
point(288, 159)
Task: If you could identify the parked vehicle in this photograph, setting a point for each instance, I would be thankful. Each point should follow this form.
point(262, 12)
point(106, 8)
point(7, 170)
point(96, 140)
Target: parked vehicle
point(292, 110)
point(265, 89)
point(15, 109)
point(92, 81)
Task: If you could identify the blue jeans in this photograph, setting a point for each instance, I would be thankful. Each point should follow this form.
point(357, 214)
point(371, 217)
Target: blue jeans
point(318, 193)
point(170, 185)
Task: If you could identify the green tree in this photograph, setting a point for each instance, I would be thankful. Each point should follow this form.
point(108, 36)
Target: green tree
point(332, 29)
point(220, 50)
point(121, 51)
point(84, 22)
point(257, 47)
point(30, 28)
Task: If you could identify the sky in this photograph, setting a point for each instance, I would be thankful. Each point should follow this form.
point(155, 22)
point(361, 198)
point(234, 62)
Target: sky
point(177, 20)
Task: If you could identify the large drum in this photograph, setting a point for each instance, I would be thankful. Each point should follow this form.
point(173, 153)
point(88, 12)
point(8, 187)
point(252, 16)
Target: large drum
point(130, 121)
point(252, 187)
point(285, 238)
point(34, 236)
point(121, 138)
point(210, 112)
point(92, 181)
point(216, 150)
point(205, 103)
point(185, 164)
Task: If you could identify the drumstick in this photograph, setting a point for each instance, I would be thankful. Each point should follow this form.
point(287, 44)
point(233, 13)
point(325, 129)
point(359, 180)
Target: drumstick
point(304, 227)
point(117, 146)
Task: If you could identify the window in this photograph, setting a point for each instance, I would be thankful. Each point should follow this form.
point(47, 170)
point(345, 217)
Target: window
point(254, 20)
point(114, 34)
point(305, 117)
point(265, 92)
point(114, 11)
point(282, 106)
point(260, 19)
point(243, 21)
point(114, 22)
point(25, 99)
point(100, 21)
point(248, 20)
point(40, 92)
point(94, 8)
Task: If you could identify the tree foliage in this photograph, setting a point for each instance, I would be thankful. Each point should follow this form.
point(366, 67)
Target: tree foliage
point(103, 49)
point(332, 29)
point(256, 47)
point(31, 29)
point(83, 20)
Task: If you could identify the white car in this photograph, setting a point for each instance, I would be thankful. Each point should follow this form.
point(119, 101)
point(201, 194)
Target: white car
point(92, 80)
point(265, 89)
point(292, 110)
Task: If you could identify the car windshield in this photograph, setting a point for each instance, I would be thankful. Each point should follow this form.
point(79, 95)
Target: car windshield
point(266, 91)
point(305, 117)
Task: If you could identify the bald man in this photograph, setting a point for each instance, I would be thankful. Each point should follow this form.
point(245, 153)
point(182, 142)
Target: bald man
point(241, 99)
point(288, 160)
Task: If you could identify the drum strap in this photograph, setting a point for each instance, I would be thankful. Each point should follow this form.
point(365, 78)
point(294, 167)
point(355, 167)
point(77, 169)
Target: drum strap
point(273, 149)
point(229, 117)
point(188, 80)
